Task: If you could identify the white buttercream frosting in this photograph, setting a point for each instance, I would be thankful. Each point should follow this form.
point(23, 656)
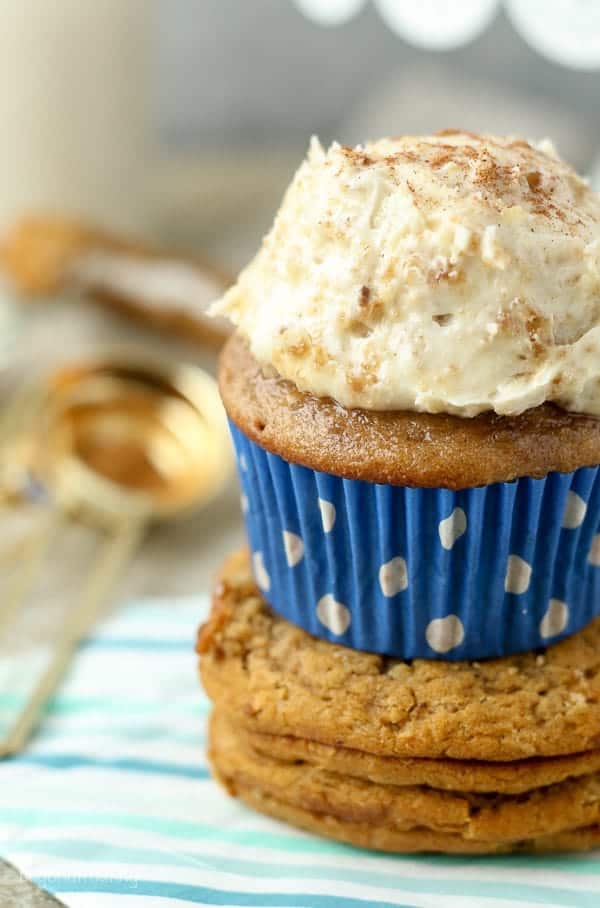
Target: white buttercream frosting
point(450, 273)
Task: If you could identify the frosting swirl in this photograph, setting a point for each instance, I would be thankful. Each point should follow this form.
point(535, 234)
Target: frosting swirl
point(451, 273)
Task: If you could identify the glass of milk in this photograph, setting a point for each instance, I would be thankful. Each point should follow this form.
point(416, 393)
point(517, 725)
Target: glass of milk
point(73, 108)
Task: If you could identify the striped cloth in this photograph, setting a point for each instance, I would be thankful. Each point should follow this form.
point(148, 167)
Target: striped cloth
point(112, 806)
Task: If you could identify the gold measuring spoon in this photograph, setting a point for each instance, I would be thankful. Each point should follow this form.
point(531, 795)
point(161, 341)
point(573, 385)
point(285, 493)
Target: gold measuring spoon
point(121, 442)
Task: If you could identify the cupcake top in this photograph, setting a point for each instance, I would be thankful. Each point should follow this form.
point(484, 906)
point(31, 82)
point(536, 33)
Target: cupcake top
point(452, 273)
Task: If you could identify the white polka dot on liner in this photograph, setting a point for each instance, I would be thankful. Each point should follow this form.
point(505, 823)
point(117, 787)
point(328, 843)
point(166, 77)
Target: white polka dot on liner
point(260, 572)
point(328, 514)
point(243, 463)
point(518, 575)
point(594, 556)
point(294, 548)
point(333, 615)
point(555, 620)
point(575, 510)
point(452, 528)
point(393, 576)
point(444, 634)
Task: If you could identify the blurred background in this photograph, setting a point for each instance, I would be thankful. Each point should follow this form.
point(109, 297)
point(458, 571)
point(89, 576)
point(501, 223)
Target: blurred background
point(144, 150)
point(183, 120)
point(180, 122)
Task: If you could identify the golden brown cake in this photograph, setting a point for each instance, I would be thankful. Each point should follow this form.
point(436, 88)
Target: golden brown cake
point(400, 448)
point(408, 657)
point(302, 731)
point(270, 677)
point(508, 777)
point(418, 344)
point(404, 818)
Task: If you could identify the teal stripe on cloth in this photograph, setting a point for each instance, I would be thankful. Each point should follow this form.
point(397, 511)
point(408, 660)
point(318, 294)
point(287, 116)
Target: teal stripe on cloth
point(76, 761)
point(97, 838)
point(71, 704)
point(183, 829)
point(138, 643)
point(100, 852)
point(137, 732)
point(202, 895)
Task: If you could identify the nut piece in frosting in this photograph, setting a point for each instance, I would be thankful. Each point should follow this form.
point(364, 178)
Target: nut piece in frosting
point(450, 273)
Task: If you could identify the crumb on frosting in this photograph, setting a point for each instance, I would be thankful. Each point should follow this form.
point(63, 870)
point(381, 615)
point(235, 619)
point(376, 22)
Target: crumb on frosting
point(378, 248)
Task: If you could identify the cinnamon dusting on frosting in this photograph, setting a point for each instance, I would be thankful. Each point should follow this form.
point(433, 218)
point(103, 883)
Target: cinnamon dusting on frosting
point(451, 273)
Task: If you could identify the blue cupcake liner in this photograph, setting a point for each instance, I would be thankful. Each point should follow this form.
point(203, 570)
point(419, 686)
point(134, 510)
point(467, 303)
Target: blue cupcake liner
point(423, 573)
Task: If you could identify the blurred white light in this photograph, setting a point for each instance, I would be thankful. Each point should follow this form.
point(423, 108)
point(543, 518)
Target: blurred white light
point(437, 24)
point(330, 12)
point(564, 31)
point(595, 175)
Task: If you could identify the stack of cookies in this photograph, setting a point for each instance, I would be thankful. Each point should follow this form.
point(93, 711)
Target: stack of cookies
point(468, 757)
point(407, 657)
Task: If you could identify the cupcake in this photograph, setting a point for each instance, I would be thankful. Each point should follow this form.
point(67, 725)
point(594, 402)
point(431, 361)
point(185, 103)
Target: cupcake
point(414, 397)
